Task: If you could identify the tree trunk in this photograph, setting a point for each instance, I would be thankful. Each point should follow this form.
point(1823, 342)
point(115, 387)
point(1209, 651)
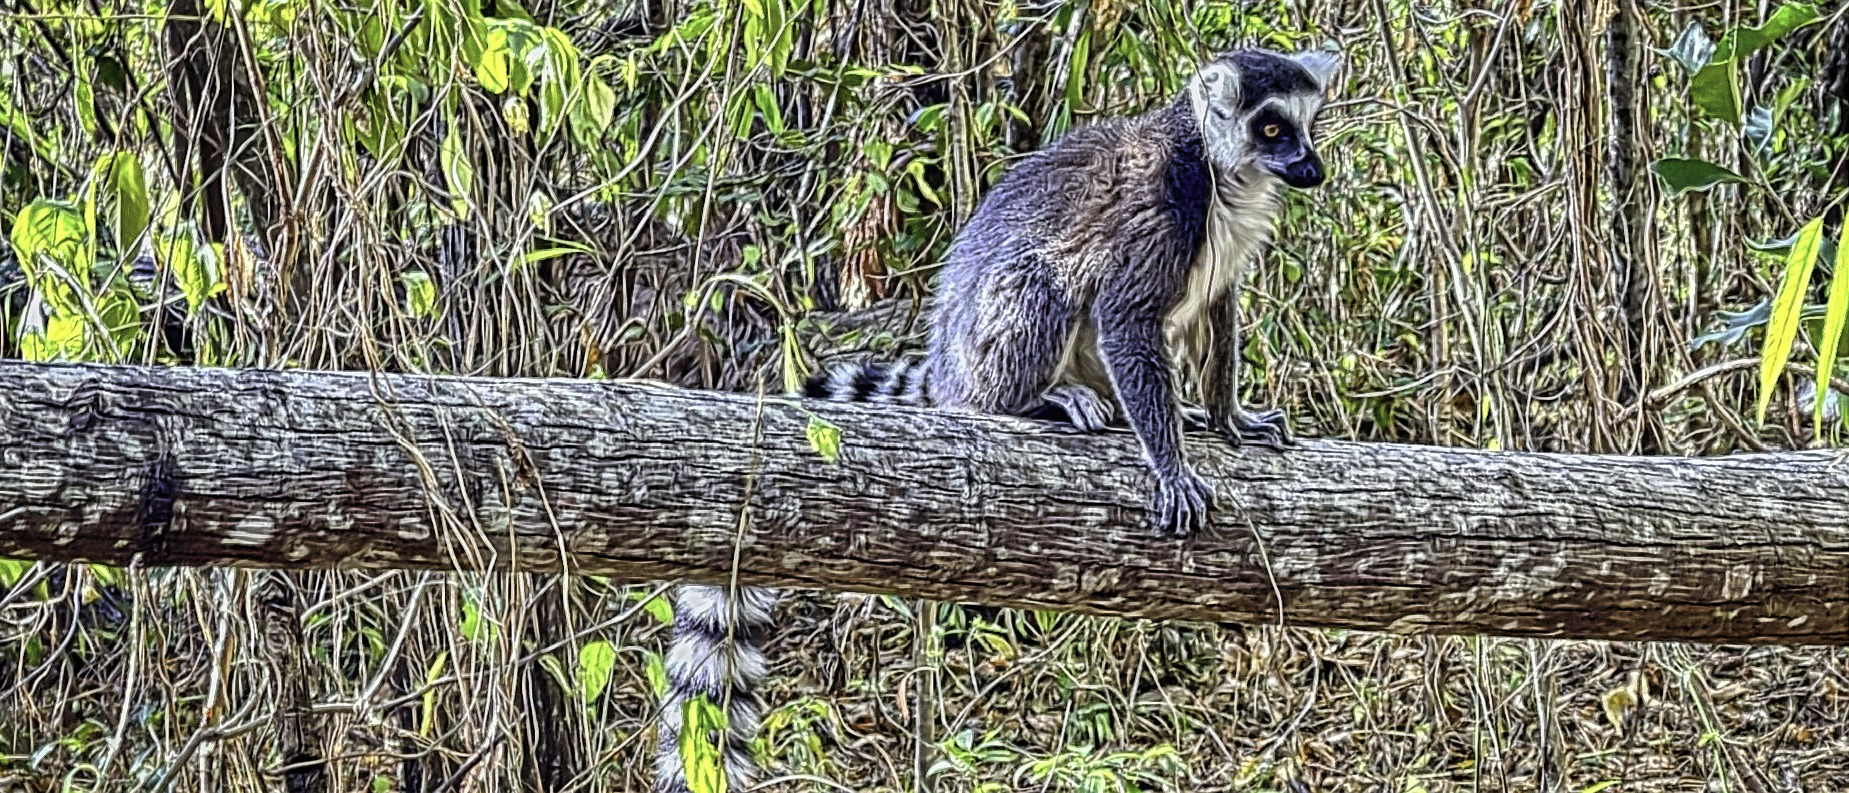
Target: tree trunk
point(216, 109)
point(356, 470)
point(1633, 240)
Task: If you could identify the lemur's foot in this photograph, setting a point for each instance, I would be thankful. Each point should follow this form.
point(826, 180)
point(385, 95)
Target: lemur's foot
point(1265, 428)
point(1269, 428)
point(1084, 408)
point(1181, 504)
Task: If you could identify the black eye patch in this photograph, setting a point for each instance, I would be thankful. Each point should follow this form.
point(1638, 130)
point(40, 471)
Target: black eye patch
point(1271, 128)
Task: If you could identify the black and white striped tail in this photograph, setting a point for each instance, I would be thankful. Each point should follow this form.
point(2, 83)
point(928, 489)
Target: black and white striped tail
point(900, 382)
point(717, 653)
point(717, 650)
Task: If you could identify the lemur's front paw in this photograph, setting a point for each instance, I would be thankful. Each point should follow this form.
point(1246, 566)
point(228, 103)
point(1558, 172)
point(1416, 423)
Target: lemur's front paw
point(1085, 409)
point(1181, 504)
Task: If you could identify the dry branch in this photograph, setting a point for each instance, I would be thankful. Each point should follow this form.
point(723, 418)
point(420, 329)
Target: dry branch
point(318, 469)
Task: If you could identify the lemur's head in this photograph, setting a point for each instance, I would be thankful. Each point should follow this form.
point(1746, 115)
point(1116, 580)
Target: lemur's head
point(1255, 108)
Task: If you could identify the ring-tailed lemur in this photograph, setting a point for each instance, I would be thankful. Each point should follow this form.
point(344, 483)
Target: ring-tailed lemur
point(1083, 271)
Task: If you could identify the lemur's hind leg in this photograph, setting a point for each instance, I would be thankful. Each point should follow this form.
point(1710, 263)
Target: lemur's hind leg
point(1006, 361)
point(1225, 416)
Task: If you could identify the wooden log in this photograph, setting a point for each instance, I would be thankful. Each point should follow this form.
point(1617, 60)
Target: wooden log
point(185, 466)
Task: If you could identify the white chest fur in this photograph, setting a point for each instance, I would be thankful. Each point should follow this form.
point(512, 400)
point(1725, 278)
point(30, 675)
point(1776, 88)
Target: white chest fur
point(1238, 225)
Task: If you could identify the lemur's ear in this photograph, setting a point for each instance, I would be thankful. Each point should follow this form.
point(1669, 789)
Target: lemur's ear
point(1322, 64)
point(1216, 85)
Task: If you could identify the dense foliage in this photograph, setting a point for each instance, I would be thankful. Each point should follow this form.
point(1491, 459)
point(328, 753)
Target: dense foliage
point(1552, 226)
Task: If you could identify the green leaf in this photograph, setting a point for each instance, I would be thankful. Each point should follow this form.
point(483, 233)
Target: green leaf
point(563, 249)
point(825, 439)
point(693, 27)
point(1077, 71)
point(457, 171)
point(551, 107)
point(777, 47)
point(474, 627)
point(11, 570)
point(556, 670)
point(702, 722)
point(916, 168)
point(595, 109)
point(1786, 311)
point(51, 228)
point(928, 118)
point(468, 29)
point(85, 95)
point(562, 74)
point(1714, 89)
point(878, 152)
point(420, 295)
point(767, 108)
point(61, 339)
point(1682, 174)
point(658, 607)
point(595, 660)
point(49, 236)
point(513, 10)
point(1746, 40)
point(120, 175)
point(19, 125)
point(1834, 317)
point(431, 676)
point(521, 44)
point(120, 315)
point(738, 116)
point(110, 72)
point(493, 69)
point(196, 267)
point(657, 674)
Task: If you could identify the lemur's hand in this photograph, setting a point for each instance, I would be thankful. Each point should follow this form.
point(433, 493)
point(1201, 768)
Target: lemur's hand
point(1181, 504)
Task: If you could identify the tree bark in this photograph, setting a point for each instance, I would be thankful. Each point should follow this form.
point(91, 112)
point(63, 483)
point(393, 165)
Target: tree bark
point(354, 470)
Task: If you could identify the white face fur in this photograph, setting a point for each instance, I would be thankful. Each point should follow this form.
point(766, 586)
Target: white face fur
point(1214, 93)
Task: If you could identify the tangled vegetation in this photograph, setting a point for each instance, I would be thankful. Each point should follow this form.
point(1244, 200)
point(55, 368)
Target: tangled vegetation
point(1549, 226)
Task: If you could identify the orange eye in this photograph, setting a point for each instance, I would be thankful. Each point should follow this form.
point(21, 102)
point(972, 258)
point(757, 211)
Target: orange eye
point(1271, 130)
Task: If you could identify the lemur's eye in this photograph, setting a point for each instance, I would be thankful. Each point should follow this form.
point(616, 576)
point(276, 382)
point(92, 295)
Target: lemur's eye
point(1272, 130)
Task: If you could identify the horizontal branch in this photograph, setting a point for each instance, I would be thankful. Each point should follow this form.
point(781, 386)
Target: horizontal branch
point(353, 470)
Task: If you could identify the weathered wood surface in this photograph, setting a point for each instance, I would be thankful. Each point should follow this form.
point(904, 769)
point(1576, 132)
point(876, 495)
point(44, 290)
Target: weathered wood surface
point(313, 469)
